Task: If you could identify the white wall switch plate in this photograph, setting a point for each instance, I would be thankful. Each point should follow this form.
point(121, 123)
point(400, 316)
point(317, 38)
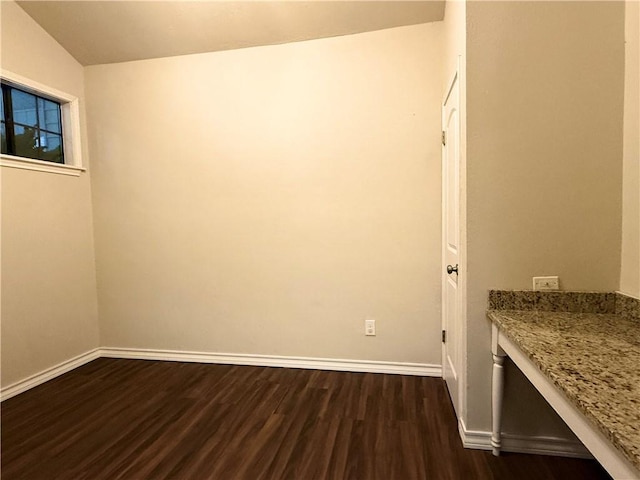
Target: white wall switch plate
point(546, 283)
point(370, 327)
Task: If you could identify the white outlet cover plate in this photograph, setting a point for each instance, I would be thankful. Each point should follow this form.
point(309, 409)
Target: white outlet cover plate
point(370, 327)
point(546, 283)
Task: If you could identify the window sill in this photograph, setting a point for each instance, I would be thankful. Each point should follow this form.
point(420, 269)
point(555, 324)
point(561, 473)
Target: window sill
point(40, 165)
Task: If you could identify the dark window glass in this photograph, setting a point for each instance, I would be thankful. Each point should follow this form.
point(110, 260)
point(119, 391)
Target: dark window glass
point(24, 139)
point(49, 114)
point(4, 138)
point(24, 108)
point(31, 126)
point(51, 146)
point(2, 132)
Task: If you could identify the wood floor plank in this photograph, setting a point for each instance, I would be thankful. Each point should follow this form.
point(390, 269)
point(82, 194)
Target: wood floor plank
point(136, 419)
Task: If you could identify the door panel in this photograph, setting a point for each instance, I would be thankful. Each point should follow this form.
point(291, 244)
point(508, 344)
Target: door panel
point(451, 242)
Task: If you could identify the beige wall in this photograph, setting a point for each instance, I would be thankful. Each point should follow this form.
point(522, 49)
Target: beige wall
point(544, 170)
point(49, 305)
point(630, 259)
point(269, 200)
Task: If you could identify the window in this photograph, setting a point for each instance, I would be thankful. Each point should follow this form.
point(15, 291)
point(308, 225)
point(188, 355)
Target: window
point(40, 127)
point(31, 126)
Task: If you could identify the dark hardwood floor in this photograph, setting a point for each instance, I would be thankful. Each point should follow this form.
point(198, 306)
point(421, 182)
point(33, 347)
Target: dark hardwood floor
point(136, 419)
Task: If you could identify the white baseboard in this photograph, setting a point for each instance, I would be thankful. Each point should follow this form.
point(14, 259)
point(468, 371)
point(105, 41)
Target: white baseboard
point(48, 374)
point(398, 368)
point(470, 439)
point(537, 445)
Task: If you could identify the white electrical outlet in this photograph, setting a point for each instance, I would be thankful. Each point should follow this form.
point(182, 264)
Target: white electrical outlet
point(546, 283)
point(370, 327)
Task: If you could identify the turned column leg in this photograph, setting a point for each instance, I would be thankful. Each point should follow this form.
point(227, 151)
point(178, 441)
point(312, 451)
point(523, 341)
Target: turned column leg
point(497, 392)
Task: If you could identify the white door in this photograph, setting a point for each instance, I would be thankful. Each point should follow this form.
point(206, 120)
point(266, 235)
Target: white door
point(452, 329)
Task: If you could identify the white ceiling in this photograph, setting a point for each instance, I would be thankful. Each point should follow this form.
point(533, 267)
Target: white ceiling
point(97, 32)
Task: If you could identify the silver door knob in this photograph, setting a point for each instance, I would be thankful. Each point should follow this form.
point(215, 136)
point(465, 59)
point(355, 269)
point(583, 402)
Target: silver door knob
point(451, 269)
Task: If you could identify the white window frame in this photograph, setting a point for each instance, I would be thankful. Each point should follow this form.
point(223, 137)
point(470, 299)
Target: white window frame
point(70, 112)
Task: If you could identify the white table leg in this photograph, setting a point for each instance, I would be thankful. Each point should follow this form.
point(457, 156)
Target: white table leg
point(497, 392)
point(497, 389)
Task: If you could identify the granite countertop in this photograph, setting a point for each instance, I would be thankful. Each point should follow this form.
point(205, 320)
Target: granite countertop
point(593, 358)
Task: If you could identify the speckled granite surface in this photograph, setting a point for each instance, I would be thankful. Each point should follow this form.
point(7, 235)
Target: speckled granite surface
point(593, 358)
point(558, 301)
point(627, 307)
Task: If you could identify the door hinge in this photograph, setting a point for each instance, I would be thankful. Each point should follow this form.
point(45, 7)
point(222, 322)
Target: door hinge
point(444, 137)
point(444, 336)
